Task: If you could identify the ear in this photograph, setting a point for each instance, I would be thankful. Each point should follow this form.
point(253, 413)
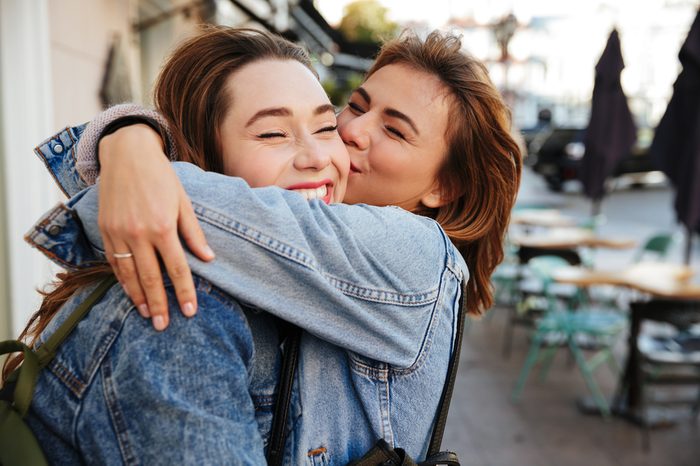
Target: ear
point(434, 198)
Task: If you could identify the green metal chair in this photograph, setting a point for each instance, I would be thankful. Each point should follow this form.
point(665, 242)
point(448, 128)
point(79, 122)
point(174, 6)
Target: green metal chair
point(506, 276)
point(656, 246)
point(575, 325)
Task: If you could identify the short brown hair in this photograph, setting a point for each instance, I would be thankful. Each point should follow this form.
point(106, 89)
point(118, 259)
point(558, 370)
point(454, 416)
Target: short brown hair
point(481, 172)
point(191, 89)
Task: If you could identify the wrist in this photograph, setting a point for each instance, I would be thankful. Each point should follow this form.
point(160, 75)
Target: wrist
point(144, 136)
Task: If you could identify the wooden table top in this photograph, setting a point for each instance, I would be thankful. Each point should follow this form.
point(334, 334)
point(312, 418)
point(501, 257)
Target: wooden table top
point(541, 218)
point(662, 280)
point(570, 238)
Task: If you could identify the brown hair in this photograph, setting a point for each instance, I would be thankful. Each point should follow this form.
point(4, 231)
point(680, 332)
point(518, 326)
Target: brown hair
point(191, 94)
point(191, 89)
point(481, 173)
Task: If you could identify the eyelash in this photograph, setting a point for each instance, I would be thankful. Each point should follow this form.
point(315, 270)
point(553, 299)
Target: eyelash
point(328, 129)
point(356, 108)
point(271, 135)
point(353, 106)
point(396, 132)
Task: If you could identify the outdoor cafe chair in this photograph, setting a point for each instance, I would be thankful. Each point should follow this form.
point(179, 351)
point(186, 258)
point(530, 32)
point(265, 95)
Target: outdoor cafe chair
point(526, 291)
point(666, 359)
point(572, 323)
point(655, 247)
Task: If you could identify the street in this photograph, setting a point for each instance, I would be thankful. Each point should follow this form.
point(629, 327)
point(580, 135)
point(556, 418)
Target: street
point(545, 428)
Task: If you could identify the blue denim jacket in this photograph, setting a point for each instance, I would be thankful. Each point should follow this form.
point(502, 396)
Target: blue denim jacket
point(375, 289)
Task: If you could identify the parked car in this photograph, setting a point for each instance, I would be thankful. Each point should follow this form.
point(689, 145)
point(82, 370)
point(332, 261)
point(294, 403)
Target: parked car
point(556, 153)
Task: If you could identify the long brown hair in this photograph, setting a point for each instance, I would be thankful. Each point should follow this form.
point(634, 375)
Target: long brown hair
point(191, 94)
point(191, 89)
point(481, 173)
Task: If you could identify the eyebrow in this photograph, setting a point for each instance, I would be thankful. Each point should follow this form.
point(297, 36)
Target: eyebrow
point(392, 112)
point(284, 111)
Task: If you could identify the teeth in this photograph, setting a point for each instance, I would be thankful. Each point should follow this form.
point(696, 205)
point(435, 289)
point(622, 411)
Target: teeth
point(309, 194)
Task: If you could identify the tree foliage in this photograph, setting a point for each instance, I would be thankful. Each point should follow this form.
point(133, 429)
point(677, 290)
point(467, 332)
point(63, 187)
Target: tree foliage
point(366, 21)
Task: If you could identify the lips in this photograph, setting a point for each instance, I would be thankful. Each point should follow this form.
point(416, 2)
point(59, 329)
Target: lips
point(354, 169)
point(322, 190)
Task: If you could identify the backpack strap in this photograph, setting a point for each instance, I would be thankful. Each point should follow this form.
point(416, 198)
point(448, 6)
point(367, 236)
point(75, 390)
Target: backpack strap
point(446, 397)
point(27, 374)
point(278, 434)
point(18, 445)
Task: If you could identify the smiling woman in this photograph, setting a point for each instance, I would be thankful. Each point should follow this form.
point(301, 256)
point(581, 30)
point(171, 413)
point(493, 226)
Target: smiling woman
point(296, 146)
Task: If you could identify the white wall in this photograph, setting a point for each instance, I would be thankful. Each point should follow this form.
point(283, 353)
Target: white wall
point(52, 59)
point(25, 77)
point(80, 34)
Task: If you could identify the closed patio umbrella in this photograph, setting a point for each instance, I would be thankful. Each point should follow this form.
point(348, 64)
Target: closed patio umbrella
point(676, 146)
point(611, 130)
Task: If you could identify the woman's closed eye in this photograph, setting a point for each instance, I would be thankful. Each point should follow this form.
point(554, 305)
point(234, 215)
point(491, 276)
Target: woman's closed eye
point(271, 135)
point(355, 107)
point(328, 129)
point(395, 132)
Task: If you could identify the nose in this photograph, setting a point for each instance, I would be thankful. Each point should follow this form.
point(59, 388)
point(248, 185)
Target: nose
point(353, 132)
point(311, 156)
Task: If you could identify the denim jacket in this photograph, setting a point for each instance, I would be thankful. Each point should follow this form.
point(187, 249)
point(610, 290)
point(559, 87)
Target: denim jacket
point(375, 289)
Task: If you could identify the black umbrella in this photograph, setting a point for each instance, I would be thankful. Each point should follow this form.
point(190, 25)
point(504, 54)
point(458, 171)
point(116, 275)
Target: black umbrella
point(676, 145)
point(611, 131)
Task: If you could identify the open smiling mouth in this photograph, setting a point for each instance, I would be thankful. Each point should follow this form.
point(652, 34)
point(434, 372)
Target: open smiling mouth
point(321, 190)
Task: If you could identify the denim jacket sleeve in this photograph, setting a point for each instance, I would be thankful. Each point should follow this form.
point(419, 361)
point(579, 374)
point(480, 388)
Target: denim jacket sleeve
point(71, 154)
point(365, 278)
point(59, 155)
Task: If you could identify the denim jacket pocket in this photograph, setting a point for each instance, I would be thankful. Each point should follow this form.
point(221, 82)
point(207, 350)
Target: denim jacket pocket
point(76, 369)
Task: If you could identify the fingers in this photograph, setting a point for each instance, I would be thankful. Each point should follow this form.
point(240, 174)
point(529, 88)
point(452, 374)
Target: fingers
point(173, 255)
point(147, 272)
point(125, 269)
point(191, 232)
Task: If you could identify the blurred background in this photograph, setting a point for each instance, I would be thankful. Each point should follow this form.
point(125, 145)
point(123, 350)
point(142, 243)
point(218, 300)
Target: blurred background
point(62, 61)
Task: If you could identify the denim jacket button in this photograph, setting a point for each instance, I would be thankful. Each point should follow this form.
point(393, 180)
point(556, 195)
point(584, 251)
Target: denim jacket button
point(58, 148)
point(54, 230)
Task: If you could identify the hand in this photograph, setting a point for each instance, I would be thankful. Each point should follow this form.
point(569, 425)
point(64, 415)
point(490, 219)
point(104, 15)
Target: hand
point(142, 206)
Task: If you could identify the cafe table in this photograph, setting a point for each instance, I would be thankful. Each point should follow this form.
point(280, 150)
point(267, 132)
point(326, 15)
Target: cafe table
point(570, 238)
point(541, 218)
point(659, 280)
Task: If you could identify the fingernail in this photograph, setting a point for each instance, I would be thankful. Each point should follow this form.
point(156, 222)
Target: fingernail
point(159, 323)
point(143, 310)
point(209, 252)
point(188, 309)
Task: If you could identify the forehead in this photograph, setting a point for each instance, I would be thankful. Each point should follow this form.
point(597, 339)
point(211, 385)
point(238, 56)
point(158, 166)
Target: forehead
point(274, 83)
point(418, 94)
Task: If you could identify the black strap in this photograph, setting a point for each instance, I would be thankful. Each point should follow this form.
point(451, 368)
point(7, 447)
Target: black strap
point(444, 406)
point(278, 434)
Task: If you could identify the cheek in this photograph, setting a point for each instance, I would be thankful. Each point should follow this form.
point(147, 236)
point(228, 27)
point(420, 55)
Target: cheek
point(388, 161)
point(257, 167)
point(340, 156)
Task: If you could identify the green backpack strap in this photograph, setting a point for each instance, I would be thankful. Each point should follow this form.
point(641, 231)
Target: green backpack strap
point(25, 379)
point(46, 352)
point(17, 442)
point(18, 446)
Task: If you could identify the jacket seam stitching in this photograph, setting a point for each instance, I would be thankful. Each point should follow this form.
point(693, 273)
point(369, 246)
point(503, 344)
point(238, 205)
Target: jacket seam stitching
point(282, 249)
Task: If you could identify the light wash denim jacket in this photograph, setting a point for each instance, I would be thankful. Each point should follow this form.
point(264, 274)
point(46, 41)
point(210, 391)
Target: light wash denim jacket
point(375, 289)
